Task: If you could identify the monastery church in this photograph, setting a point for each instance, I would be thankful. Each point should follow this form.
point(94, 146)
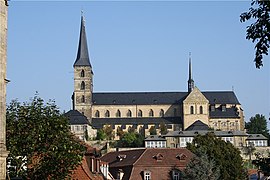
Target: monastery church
point(220, 110)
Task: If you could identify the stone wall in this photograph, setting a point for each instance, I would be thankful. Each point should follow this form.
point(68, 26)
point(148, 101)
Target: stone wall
point(3, 81)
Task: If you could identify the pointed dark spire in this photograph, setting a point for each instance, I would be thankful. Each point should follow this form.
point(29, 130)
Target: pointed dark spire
point(82, 55)
point(190, 80)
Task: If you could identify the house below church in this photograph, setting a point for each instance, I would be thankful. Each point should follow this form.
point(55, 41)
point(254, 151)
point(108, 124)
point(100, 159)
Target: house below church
point(162, 163)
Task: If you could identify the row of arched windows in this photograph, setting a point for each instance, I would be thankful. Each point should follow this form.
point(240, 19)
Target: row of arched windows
point(192, 110)
point(129, 113)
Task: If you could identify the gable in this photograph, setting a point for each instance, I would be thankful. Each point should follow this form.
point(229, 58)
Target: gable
point(196, 96)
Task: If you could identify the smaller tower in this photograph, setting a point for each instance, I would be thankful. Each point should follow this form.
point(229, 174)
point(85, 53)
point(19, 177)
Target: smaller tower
point(190, 80)
point(83, 76)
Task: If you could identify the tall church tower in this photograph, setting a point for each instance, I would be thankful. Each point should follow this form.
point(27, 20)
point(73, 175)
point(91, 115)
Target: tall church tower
point(3, 82)
point(190, 80)
point(83, 76)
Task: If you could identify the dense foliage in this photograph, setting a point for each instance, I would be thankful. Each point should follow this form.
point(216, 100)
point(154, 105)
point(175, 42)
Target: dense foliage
point(225, 155)
point(263, 163)
point(257, 125)
point(259, 30)
point(201, 167)
point(153, 130)
point(163, 128)
point(40, 143)
point(131, 139)
point(106, 133)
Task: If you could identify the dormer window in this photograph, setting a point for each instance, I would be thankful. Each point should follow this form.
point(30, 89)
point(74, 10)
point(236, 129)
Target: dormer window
point(212, 108)
point(158, 157)
point(181, 157)
point(223, 108)
point(120, 157)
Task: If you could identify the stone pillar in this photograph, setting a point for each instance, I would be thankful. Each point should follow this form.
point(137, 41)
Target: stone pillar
point(3, 81)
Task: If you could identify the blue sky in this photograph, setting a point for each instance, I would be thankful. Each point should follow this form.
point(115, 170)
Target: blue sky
point(134, 46)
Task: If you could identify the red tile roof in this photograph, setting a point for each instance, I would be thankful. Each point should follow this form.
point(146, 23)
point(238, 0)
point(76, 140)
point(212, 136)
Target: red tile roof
point(131, 157)
point(83, 173)
point(159, 161)
point(165, 157)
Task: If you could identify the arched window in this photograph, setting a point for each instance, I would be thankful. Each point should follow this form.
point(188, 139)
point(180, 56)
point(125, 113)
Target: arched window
point(161, 113)
point(83, 99)
point(129, 114)
point(82, 85)
point(118, 113)
point(97, 114)
point(107, 113)
point(140, 113)
point(201, 110)
point(151, 113)
point(82, 73)
point(191, 110)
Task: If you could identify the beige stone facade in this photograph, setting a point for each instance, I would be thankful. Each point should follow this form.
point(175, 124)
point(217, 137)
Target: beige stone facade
point(219, 110)
point(83, 88)
point(195, 107)
point(3, 81)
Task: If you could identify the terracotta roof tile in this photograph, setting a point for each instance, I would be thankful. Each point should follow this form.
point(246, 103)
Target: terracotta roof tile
point(82, 172)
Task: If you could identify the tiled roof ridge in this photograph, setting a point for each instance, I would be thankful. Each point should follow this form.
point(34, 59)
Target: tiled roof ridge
point(140, 156)
point(167, 91)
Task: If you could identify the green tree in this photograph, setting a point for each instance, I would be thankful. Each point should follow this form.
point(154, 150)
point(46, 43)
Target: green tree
point(248, 151)
point(153, 130)
point(101, 134)
point(201, 167)
point(259, 30)
point(131, 130)
point(257, 125)
point(163, 128)
point(38, 137)
point(225, 155)
point(262, 163)
point(131, 139)
point(108, 130)
point(119, 132)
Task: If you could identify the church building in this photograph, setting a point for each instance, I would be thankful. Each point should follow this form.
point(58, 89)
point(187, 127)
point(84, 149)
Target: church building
point(220, 110)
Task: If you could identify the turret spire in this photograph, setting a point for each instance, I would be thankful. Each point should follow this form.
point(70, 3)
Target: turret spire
point(82, 55)
point(190, 80)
